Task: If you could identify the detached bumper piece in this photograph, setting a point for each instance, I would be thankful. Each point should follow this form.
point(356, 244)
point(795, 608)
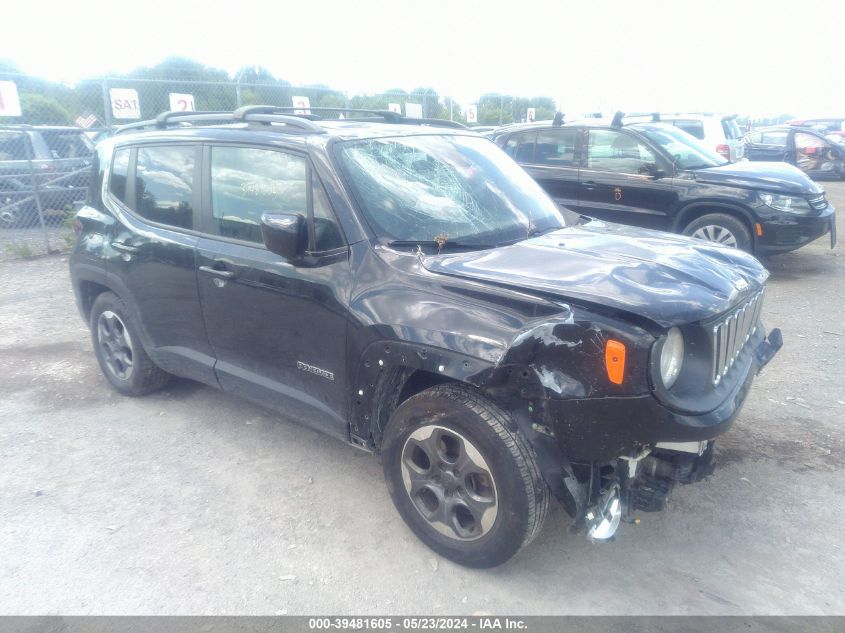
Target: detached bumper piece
point(658, 473)
point(767, 349)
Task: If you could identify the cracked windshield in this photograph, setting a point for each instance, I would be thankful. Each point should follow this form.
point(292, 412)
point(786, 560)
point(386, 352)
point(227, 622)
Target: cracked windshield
point(446, 190)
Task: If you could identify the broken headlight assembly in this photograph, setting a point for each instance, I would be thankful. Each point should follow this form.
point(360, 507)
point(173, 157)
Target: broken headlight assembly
point(788, 204)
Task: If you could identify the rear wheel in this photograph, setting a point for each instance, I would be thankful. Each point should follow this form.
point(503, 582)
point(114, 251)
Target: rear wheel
point(462, 477)
point(122, 358)
point(721, 228)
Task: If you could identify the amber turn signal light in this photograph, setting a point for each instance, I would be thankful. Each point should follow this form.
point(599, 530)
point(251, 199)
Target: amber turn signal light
point(614, 359)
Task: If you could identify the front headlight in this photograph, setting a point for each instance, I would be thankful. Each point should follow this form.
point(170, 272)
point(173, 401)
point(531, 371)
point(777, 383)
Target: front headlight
point(671, 357)
point(789, 204)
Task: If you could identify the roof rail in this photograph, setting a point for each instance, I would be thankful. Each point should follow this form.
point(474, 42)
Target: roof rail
point(247, 114)
point(620, 116)
point(387, 115)
point(286, 115)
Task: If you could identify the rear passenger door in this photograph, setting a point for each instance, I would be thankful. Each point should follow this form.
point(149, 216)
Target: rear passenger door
point(151, 256)
point(550, 156)
point(278, 330)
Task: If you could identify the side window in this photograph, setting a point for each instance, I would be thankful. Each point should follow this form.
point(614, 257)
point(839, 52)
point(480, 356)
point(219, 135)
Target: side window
point(754, 137)
point(119, 174)
point(556, 147)
point(326, 232)
point(609, 150)
point(246, 182)
point(804, 141)
point(164, 184)
point(520, 147)
point(14, 146)
point(775, 137)
point(696, 128)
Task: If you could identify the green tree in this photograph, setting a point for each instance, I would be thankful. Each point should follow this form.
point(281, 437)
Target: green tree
point(38, 109)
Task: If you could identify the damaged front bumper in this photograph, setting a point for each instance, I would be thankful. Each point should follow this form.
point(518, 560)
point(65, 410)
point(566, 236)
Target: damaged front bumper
point(627, 454)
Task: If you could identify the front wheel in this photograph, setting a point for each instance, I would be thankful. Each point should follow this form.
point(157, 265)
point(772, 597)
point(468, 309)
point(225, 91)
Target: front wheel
point(462, 477)
point(720, 228)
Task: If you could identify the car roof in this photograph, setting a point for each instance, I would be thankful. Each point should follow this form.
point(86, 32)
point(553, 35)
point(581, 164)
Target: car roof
point(603, 122)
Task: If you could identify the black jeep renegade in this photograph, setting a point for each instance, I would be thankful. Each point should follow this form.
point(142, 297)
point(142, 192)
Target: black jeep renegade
point(408, 288)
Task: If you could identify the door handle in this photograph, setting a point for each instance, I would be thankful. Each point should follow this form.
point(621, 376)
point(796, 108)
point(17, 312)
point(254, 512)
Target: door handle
point(223, 274)
point(124, 248)
point(589, 184)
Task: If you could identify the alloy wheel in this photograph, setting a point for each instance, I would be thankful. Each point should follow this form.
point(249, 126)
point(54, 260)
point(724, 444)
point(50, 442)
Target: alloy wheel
point(449, 482)
point(115, 345)
point(715, 233)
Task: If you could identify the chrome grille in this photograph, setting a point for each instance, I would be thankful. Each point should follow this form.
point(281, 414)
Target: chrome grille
point(819, 203)
point(730, 335)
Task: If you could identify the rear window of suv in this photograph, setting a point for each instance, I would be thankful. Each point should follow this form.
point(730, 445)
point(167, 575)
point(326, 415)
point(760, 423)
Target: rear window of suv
point(696, 128)
point(67, 144)
point(14, 145)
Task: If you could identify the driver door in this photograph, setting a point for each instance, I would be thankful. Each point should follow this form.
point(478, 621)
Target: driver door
point(278, 330)
point(813, 154)
point(616, 184)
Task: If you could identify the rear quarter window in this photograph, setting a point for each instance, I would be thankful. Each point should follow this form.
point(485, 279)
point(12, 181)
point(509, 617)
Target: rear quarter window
point(119, 174)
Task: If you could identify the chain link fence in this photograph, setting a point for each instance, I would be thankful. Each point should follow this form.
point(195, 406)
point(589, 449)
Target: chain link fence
point(44, 171)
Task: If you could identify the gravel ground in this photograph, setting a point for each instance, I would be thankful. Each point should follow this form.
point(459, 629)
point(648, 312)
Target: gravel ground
point(194, 502)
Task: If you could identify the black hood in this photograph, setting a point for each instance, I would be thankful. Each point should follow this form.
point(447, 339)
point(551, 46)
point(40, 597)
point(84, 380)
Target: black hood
point(667, 278)
point(775, 177)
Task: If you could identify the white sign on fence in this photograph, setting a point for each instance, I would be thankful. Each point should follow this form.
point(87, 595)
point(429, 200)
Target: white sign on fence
point(530, 115)
point(394, 107)
point(472, 113)
point(413, 110)
point(10, 104)
point(124, 103)
point(302, 105)
point(181, 102)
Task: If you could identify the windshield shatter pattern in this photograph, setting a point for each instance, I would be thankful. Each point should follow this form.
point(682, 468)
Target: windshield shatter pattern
point(452, 188)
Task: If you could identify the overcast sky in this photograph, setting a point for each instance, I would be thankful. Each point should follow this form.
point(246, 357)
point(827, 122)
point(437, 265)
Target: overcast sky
point(760, 58)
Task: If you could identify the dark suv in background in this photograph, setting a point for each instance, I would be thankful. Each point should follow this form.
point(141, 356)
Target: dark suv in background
point(654, 175)
point(410, 290)
point(55, 160)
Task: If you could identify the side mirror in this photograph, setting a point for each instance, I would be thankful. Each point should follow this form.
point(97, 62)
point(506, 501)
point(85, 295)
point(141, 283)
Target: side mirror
point(285, 234)
point(652, 170)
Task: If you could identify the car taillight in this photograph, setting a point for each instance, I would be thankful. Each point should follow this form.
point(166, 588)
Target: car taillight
point(724, 151)
point(76, 225)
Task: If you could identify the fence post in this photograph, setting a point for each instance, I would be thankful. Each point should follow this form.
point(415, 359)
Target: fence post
point(36, 188)
point(106, 102)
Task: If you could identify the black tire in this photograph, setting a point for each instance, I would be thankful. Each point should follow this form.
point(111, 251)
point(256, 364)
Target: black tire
point(114, 334)
point(520, 496)
point(722, 225)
